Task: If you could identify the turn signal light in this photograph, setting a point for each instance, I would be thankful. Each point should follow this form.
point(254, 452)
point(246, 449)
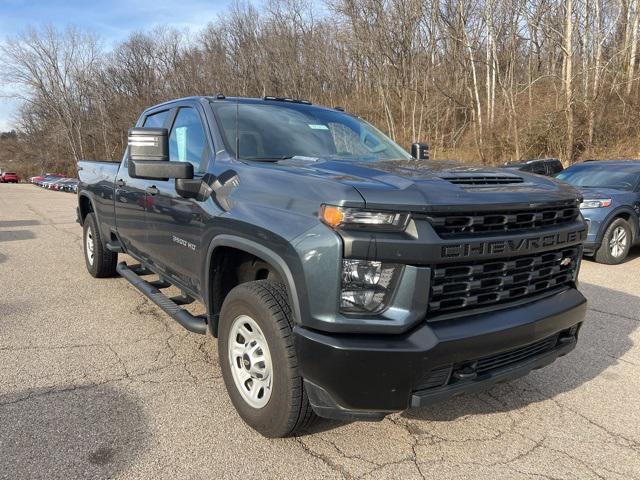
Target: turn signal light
point(363, 219)
point(332, 216)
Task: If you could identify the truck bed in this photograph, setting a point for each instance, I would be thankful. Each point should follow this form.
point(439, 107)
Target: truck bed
point(98, 178)
point(93, 172)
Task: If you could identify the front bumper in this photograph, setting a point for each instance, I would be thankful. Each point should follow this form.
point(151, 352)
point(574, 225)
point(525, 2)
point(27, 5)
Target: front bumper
point(590, 248)
point(597, 220)
point(366, 376)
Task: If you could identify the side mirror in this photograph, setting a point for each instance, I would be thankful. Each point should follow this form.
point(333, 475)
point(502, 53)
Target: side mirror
point(149, 156)
point(420, 151)
point(149, 144)
point(155, 170)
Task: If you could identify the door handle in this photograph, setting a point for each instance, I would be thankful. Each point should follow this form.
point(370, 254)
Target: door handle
point(152, 190)
point(120, 183)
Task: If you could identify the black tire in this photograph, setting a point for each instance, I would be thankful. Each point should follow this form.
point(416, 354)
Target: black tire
point(287, 410)
point(103, 264)
point(607, 253)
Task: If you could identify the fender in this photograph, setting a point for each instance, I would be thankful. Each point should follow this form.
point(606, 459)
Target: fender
point(266, 254)
point(89, 197)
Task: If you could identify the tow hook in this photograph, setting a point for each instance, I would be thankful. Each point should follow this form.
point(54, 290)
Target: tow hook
point(466, 373)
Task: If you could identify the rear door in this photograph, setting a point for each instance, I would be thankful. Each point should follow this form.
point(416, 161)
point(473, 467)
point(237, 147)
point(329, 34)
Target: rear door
point(176, 224)
point(131, 197)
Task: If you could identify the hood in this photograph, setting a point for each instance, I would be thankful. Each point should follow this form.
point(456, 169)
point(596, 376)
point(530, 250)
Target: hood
point(596, 193)
point(423, 185)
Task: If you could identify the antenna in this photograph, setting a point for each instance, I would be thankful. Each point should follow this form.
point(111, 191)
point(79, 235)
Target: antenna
point(237, 110)
point(237, 128)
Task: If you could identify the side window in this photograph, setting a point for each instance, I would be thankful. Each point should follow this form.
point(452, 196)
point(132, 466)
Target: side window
point(156, 120)
point(188, 142)
point(538, 167)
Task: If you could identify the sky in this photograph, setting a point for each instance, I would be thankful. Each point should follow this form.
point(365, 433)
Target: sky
point(111, 20)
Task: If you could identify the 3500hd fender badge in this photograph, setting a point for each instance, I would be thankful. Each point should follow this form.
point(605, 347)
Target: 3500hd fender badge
point(519, 245)
point(183, 242)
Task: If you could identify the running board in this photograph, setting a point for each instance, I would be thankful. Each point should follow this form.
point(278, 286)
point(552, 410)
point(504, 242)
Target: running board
point(196, 324)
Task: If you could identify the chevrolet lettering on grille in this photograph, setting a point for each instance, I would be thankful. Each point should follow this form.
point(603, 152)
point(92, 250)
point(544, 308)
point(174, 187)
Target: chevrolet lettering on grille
point(519, 245)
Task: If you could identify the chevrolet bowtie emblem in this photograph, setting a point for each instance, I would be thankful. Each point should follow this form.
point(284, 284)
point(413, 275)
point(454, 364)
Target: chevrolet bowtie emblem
point(565, 261)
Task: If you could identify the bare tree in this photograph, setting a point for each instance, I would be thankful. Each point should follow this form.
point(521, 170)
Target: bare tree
point(481, 80)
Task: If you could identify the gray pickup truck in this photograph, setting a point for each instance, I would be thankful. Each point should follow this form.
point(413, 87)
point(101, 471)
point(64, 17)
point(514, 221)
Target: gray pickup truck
point(342, 276)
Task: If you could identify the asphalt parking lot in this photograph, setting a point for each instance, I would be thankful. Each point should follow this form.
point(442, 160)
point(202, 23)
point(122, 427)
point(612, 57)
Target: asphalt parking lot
point(96, 382)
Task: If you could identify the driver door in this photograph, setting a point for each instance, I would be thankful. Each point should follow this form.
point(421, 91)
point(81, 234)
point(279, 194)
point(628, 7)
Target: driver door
point(131, 200)
point(176, 224)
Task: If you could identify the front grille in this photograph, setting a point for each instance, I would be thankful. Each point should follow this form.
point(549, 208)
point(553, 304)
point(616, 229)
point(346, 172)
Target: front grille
point(454, 224)
point(468, 286)
point(501, 360)
point(484, 179)
point(474, 369)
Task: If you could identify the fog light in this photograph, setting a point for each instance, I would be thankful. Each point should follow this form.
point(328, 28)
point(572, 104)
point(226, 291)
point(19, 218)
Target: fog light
point(367, 286)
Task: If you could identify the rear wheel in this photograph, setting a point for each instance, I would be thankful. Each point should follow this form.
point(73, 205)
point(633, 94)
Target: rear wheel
point(100, 262)
point(258, 359)
point(616, 243)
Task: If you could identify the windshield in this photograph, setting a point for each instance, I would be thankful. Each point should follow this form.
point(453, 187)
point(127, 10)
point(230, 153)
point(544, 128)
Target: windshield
point(601, 176)
point(278, 131)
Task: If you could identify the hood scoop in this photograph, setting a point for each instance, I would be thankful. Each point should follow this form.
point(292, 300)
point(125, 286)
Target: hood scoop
point(477, 178)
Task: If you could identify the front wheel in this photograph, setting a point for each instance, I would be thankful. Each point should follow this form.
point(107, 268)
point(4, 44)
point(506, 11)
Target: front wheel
point(616, 243)
point(258, 359)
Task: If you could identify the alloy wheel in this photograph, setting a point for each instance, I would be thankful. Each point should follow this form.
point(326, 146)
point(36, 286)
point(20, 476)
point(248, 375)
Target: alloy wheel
point(618, 242)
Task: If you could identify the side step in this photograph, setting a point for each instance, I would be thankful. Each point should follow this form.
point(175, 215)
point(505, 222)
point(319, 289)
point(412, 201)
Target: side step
point(115, 246)
point(192, 323)
point(183, 299)
point(139, 270)
point(159, 283)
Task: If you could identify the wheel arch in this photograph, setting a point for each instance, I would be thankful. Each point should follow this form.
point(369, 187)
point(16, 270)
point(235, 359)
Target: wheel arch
point(626, 214)
point(224, 241)
point(85, 204)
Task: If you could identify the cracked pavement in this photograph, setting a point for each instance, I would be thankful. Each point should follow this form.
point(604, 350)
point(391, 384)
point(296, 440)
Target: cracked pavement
point(96, 382)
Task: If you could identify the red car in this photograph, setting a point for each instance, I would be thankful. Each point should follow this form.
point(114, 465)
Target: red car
point(9, 177)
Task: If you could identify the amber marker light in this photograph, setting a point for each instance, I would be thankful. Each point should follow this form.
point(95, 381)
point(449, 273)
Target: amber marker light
point(332, 216)
point(362, 219)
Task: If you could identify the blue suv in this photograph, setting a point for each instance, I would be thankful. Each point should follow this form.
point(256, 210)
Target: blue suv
point(611, 206)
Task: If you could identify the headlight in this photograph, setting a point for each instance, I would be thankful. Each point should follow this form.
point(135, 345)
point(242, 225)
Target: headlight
point(605, 202)
point(355, 218)
point(367, 286)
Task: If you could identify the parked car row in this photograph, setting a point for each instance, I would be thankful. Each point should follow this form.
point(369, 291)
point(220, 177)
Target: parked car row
point(9, 177)
point(55, 181)
point(611, 206)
